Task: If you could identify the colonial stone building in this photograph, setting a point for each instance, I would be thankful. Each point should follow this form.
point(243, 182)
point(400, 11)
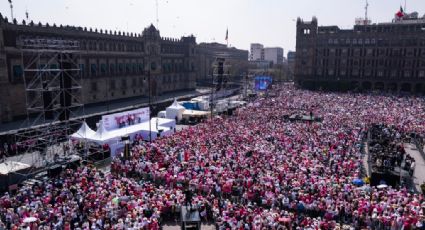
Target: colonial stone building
point(113, 64)
point(384, 56)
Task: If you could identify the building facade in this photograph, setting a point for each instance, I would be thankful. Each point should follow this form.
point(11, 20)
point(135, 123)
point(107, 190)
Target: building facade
point(206, 54)
point(291, 58)
point(256, 52)
point(274, 54)
point(270, 54)
point(113, 64)
point(384, 56)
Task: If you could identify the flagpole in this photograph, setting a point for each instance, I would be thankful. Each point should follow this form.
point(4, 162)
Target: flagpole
point(227, 37)
point(11, 10)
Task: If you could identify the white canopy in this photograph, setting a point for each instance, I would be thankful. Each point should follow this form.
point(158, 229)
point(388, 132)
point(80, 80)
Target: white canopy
point(104, 136)
point(101, 135)
point(12, 166)
point(84, 132)
point(175, 111)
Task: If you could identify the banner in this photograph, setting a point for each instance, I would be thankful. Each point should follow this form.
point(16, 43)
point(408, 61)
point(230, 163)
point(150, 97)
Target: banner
point(124, 119)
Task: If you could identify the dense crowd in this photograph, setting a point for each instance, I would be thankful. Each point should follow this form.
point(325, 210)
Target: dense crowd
point(253, 170)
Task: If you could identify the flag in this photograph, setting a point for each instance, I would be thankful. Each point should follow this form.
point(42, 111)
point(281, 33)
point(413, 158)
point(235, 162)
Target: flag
point(10, 1)
point(227, 34)
point(400, 13)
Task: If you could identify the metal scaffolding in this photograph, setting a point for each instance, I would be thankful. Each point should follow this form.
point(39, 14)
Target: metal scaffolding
point(52, 81)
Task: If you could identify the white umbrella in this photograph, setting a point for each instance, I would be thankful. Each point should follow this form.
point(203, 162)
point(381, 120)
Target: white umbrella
point(382, 186)
point(30, 219)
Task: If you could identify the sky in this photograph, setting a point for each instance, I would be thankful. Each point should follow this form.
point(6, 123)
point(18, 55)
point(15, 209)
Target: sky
point(270, 22)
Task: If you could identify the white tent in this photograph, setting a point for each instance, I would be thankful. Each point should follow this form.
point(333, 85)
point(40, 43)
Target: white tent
point(162, 114)
point(12, 166)
point(84, 132)
point(102, 135)
point(175, 111)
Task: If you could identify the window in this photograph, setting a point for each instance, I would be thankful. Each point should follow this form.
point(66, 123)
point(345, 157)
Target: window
point(103, 68)
point(369, 52)
point(406, 73)
point(112, 85)
point(128, 68)
point(368, 73)
point(121, 68)
point(94, 86)
point(123, 83)
point(342, 72)
point(93, 69)
point(421, 73)
point(331, 72)
point(380, 73)
point(82, 70)
point(17, 71)
point(112, 68)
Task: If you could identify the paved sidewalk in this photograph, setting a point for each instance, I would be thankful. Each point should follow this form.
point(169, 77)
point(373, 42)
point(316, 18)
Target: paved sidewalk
point(419, 174)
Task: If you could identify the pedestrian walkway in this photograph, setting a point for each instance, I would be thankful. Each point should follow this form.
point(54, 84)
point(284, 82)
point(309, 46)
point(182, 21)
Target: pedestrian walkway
point(366, 163)
point(419, 173)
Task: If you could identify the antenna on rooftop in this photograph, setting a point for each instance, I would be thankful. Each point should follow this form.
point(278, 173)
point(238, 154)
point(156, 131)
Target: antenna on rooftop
point(11, 9)
point(366, 9)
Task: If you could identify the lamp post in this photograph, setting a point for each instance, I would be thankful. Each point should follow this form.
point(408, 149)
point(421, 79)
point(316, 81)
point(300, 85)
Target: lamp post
point(150, 107)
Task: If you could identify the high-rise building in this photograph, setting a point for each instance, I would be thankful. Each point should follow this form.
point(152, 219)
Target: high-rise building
point(384, 56)
point(273, 54)
point(291, 63)
point(256, 52)
point(268, 54)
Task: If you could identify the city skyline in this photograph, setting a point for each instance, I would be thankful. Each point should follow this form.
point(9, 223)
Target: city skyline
point(271, 22)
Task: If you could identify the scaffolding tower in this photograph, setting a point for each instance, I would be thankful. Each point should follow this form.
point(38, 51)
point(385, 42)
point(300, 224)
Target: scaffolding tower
point(220, 78)
point(52, 81)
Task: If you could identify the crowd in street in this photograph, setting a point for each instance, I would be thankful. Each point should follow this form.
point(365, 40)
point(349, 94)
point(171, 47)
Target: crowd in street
point(252, 170)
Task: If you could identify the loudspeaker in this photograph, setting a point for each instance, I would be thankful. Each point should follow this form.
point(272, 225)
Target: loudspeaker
point(220, 72)
point(47, 102)
point(66, 88)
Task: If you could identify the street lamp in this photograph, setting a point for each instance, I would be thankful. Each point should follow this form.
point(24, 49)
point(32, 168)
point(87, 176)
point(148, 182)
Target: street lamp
point(149, 103)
